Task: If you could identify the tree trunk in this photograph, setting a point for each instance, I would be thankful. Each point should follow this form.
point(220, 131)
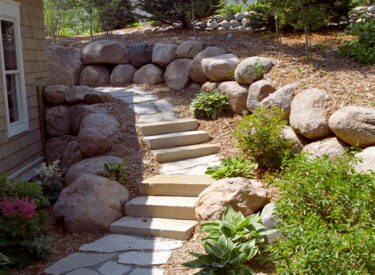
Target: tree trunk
point(277, 27)
point(193, 19)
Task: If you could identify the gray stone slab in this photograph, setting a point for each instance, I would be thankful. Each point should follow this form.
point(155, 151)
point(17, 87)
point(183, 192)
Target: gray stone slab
point(164, 107)
point(188, 164)
point(138, 91)
point(144, 108)
point(118, 242)
point(83, 271)
point(145, 258)
point(131, 99)
point(201, 169)
point(110, 89)
point(113, 268)
point(157, 117)
point(77, 260)
point(147, 271)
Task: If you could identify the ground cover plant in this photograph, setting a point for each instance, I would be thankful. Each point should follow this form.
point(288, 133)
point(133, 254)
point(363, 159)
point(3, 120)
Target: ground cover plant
point(260, 137)
point(50, 177)
point(327, 217)
point(116, 171)
point(209, 105)
point(21, 223)
point(233, 167)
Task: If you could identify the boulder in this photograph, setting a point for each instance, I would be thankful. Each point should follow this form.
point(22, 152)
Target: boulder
point(331, 147)
point(64, 65)
point(354, 125)
point(123, 74)
point(237, 95)
point(224, 24)
point(221, 29)
point(77, 94)
point(79, 111)
point(55, 94)
point(195, 67)
point(96, 133)
point(201, 25)
point(105, 52)
point(219, 18)
point(164, 54)
point(220, 68)
point(258, 91)
point(210, 86)
point(55, 148)
point(247, 196)
point(71, 155)
point(252, 69)
point(270, 223)
point(189, 49)
point(234, 23)
point(176, 75)
point(94, 76)
point(93, 166)
point(135, 32)
point(245, 22)
point(90, 204)
point(367, 160)
point(57, 120)
point(212, 24)
point(298, 140)
point(281, 98)
point(147, 31)
point(149, 74)
point(309, 114)
point(140, 54)
point(239, 16)
point(371, 9)
point(240, 28)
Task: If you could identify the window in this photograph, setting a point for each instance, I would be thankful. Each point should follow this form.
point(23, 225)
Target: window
point(11, 68)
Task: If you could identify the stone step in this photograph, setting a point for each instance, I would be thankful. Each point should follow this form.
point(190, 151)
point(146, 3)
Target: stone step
point(175, 185)
point(155, 227)
point(167, 127)
point(168, 207)
point(185, 152)
point(177, 139)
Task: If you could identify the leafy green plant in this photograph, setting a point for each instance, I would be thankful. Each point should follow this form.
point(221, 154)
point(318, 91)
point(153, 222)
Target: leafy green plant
point(232, 8)
point(260, 136)
point(262, 16)
point(258, 70)
point(209, 105)
point(237, 228)
point(327, 217)
point(224, 258)
point(233, 167)
point(50, 177)
point(116, 171)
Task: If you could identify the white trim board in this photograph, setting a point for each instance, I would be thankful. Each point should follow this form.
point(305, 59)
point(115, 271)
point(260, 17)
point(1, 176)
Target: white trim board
point(27, 172)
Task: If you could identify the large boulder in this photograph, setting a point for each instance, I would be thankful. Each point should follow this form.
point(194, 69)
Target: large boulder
point(176, 75)
point(105, 52)
point(79, 111)
point(77, 94)
point(55, 94)
point(367, 160)
point(195, 67)
point(247, 196)
point(298, 139)
point(220, 68)
point(64, 65)
point(123, 74)
point(55, 148)
point(71, 155)
point(164, 54)
point(237, 95)
point(252, 69)
point(96, 133)
point(354, 125)
point(210, 86)
point(90, 204)
point(140, 54)
point(257, 92)
point(281, 98)
point(189, 49)
point(309, 114)
point(149, 74)
point(94, 76)
point(93, 166)
point(212, 24)
point(331, 147)
point(57, 120)
point(270, 223)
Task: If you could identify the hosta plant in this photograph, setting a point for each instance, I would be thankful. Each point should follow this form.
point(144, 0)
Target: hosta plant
point(209, 105)
point(237, 228)
point(233, 167)
point(224, 258)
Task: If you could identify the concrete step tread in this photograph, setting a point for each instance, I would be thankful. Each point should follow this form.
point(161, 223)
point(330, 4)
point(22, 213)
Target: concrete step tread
point(165, 127)
point(178, 179)
point(171, 201)
point(185, 152)
point(155, 227)
point(178, 134)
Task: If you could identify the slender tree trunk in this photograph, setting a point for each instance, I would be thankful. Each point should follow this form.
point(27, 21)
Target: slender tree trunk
point(193, 18)
point(91, 29)
point(277, 27)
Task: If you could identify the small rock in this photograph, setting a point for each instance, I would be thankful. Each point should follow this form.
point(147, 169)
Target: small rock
point(189, 49)
point(234, 23)
point(55, 94)
point(210, 86)
point(140, 54)
point(240, 28)
point(219, 18)
point(252, 69)
point(147, 31)
point(245, 22)
point(367, 157)
point(298, 139)
point(212, 24)
point(164, 54)
point(201, 25)
point(123, 74)
point(258, 91)
point(221, 29)
point(239, 16)
point(229, 17)
point(371, 9)
point(94, 76)
point(57, 120)
point(237, 94)
point(105, 52)
point(149, 74)
point(135, 32)
point(224, 24)
point(220, 68)
point(331, 147)
point(269, 222)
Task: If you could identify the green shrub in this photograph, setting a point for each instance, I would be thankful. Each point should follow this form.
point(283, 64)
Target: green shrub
point(260, 136)
point(21, 224)
point(327, 217)
point(224, 258)
point(116, 171)
point(209, 105)
point(50, 177)
point(262, 17)
point(232, 8)
point(233, 167)
point(363, 50)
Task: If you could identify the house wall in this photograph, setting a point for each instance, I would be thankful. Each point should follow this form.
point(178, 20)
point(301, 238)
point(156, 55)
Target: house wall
point(21, 153)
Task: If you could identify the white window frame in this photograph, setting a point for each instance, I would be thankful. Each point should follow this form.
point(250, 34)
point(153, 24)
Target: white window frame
point(10, 11)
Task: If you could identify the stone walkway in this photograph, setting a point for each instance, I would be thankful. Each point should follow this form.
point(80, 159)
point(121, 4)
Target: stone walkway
point(141, 255)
